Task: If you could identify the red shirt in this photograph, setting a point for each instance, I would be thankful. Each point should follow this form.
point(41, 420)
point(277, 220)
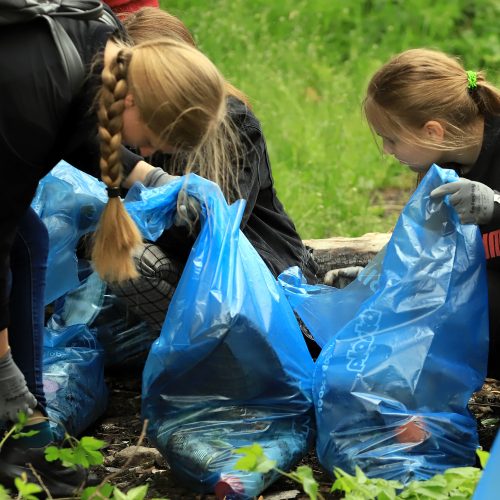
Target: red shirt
point(123, 7)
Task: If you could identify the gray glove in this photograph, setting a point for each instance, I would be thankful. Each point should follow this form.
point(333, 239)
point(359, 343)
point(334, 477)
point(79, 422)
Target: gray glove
point(340, 278)
point(158, 177)
point(188, 208)
point(14, 394)
point(472, 200)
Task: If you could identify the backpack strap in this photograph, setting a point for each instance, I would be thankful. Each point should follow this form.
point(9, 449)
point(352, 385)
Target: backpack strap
point(70, 58)
point(75, 9)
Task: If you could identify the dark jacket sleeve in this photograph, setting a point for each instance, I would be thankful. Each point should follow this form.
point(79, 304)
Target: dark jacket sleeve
point(252, 157)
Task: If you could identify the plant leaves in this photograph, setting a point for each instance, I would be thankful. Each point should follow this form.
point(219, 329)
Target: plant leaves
point(254, 459)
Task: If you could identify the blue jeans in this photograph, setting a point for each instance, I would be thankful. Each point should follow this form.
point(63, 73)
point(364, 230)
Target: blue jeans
point(28, 265)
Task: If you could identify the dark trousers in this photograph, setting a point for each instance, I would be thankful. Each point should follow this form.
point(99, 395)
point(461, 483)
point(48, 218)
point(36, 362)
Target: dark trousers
point(28, 264)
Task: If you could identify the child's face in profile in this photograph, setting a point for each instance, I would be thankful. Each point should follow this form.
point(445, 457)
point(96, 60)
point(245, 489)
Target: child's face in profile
point(416, 157)
point(136, 133)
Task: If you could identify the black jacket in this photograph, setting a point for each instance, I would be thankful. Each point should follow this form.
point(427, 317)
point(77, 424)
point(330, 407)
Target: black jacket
point(41, 122)
point(265, 222)
point(487, 171)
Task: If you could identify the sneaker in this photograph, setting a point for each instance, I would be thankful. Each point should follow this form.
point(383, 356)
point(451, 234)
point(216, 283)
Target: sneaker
point(59, 480)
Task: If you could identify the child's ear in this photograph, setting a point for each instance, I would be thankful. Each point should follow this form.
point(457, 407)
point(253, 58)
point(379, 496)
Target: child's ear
point(434, 131)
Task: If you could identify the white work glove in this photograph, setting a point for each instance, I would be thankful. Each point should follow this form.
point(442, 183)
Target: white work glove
point(14, 394)
point(340, 278)
point(472, 200)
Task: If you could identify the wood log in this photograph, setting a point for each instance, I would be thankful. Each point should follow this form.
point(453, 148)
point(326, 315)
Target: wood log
point(338, 252)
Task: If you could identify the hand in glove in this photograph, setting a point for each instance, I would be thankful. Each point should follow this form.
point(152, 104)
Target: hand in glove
point(472, 200)
point(14, 394)
point(188, 210)
point(340, 278)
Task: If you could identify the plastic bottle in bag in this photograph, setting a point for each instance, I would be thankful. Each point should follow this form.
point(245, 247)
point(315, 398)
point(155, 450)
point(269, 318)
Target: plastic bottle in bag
point(207, 461)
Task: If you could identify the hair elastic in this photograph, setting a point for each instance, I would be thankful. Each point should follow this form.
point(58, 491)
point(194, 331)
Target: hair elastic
point(471, 80)
point(113, 192)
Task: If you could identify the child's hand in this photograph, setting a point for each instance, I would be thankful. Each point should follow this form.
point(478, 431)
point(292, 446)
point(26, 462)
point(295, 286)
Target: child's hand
point(340, 278)
point(472, 200)
point(188, 210)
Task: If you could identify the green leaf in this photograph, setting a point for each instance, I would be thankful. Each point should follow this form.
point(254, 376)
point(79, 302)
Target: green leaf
point(79, 456)
point(52, 453)
point(27, 490)
point(483, 457)
point(304, 476)
point(361, 486)
point(118, 494)
point(4, 494)
point(104, 491)
point(85, 453)
point(137, 493)
point(90, 443)
point(253, 459)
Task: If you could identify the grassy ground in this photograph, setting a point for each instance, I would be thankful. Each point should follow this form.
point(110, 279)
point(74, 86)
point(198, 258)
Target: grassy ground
point(305, 65)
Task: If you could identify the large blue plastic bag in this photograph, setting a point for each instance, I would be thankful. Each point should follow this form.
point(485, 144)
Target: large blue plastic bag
point(125, 338)
point(231, 366)
point(391, 385)
point(69, 202)
point(73, 379)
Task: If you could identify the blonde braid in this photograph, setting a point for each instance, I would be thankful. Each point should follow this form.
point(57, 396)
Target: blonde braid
point(117, 235)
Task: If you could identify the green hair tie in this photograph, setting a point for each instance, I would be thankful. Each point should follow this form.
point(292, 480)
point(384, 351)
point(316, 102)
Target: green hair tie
point(471, 80)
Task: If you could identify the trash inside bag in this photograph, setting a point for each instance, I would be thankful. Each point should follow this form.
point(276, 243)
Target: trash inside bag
point(69, 202)
point(73, 379)
point(405, 346)
point(125, 338)
point(231, 366)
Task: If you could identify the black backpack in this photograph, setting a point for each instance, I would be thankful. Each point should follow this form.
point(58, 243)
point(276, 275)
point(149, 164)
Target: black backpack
point(21, 11)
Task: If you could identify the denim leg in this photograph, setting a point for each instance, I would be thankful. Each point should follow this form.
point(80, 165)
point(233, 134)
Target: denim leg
point(27, 312)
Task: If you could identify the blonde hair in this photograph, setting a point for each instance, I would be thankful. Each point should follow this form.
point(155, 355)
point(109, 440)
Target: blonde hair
point(181, 97)
point(419, 85)
point(149, 23)
point(116, 235)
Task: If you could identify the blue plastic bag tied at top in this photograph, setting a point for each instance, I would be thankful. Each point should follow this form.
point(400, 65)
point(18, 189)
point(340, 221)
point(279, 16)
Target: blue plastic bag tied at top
point(405, 346)
point(69, 202)
point(73, 379)
point(230, 367)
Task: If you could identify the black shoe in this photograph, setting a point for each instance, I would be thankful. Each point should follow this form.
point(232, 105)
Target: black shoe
point(59, 480)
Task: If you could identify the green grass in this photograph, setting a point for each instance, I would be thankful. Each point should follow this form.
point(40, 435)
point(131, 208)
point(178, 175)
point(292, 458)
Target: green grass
point(305, 66)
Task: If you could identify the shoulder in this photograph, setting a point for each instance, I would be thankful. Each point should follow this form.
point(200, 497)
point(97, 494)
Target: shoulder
point(89, 37)
point(241, 114)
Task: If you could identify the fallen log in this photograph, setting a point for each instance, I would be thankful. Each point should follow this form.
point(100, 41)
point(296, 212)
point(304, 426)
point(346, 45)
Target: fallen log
point(339, 252)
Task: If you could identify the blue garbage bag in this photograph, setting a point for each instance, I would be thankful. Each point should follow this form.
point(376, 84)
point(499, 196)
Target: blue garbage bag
point(73, 379)
point(230, 367)
point(405, 346)
point(69, 202)
point(125, 338)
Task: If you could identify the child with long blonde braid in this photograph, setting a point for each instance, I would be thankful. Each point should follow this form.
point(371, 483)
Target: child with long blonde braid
point(248, 171)
point(428, 109)
point(167, 96)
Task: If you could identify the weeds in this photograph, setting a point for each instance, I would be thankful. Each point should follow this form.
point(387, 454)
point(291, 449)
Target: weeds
point(84, 452)
point(458, 483)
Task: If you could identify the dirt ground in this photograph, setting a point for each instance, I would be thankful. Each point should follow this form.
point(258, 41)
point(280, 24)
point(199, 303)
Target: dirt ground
point(121, 426)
